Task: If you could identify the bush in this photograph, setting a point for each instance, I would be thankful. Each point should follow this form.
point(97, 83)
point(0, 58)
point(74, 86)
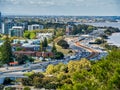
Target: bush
point(10, 88)
point(1, 87)
point(50, 86)
point(27, 88)
point(59, 55)
point(63, 44)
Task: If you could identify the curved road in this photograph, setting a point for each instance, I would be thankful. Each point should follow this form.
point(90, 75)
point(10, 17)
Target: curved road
point(93, 54)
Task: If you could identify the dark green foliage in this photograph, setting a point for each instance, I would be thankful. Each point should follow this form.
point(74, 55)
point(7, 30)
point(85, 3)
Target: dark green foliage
point(82, 29)
point(50, 86)
point(59, 55)
point(18, 49)
point(23, 59)
point(6, 51)
point(7, 81)
point(54, 48)
point(110, 30)
point(45, 43)
point(27, 81)
point(1, 87)
point(54, 25)
point(63, 44)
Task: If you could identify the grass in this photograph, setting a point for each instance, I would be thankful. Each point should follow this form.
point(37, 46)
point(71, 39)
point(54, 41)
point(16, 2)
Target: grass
point(29, 73)
point(64, 51)
point(59, 48)
point(58, 38)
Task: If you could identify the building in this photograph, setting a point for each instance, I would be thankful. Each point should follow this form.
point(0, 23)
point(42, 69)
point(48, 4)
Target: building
point(28, 47)
point(16, 31)
point(69, 29)
point(6, 26)
point(35, 27)
point(34, 54)
point(44, 35)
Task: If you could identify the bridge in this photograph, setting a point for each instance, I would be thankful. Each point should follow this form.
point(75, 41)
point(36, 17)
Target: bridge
point(13, 75)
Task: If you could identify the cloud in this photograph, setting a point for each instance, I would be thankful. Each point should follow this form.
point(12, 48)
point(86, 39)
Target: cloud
point(78, 7)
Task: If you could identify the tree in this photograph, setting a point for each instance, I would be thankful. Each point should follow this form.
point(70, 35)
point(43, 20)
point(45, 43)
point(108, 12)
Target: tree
point(58, 55)
point(7, 81)
point(26, 34)
point(63, 44)
point(6, 52)
point(27, 88)
point(41, 46)
point(45, 42)
point(54, 48)
point(50, 69)
point(32, 35)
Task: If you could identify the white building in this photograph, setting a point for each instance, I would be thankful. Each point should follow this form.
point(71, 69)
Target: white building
point(44, 35)
point(35, 27)
point(6, 26)
point(16, 31)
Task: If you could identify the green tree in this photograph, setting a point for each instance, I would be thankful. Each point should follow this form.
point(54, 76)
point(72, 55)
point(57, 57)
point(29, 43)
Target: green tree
point(32, 35)
point(6, 52)
point(41, 46)
point(58, 55)
point(26, 34)
point(54, 48)
point(45, 42)
point(50, 69)
point(63, 44)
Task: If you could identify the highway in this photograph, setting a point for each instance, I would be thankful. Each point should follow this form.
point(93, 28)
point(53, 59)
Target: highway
point(93, 53)
point(83, 51)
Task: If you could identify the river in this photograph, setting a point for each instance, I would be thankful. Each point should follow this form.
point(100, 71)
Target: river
point(103, 24)
point(114, 39)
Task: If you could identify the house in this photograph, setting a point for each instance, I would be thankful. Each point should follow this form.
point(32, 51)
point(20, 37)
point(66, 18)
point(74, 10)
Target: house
point(44, 54)
point(34, 54)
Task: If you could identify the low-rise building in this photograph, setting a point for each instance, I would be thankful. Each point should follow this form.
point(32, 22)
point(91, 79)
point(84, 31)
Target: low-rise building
point(44, 35)
point(34, 54)
point(69, 29)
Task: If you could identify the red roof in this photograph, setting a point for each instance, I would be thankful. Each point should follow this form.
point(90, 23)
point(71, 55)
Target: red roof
point(13, 63)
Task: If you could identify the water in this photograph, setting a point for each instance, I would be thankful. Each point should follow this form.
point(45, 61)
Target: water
point(114, 39)
point(103, 24)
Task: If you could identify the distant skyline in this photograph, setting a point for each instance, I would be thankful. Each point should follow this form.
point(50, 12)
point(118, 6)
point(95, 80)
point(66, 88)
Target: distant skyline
point(61, 7)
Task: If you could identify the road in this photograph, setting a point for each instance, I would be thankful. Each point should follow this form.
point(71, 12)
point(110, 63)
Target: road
point(92, 51)
point(83, 51)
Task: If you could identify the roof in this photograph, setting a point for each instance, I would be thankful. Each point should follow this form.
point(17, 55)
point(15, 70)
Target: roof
point(13, 63)
point(17, 27)
point(24, 52)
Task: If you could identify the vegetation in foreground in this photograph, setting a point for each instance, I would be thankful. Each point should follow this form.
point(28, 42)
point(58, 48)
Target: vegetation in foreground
point(80, 75)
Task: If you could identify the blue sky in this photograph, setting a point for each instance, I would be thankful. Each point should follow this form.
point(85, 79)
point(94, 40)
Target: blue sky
point(61, 7)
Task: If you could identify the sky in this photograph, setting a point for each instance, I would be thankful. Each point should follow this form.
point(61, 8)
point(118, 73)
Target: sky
point(61, 7)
